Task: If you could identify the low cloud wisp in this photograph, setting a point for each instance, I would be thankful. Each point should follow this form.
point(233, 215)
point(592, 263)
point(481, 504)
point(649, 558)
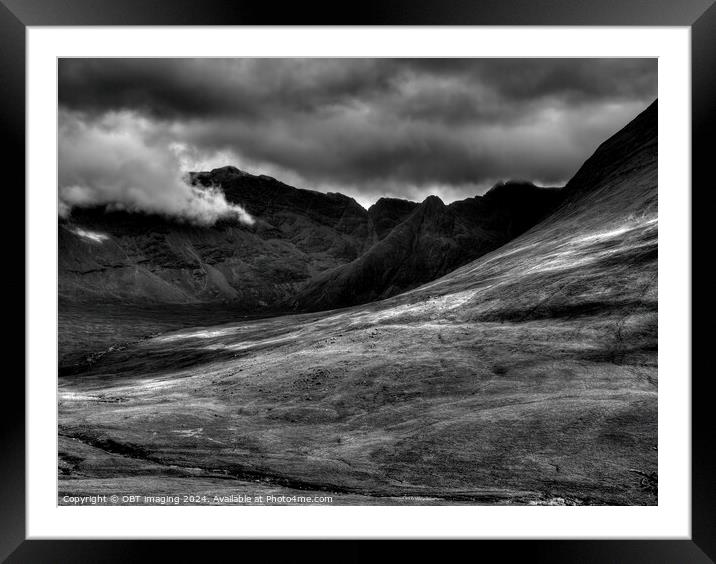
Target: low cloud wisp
point(119, 161)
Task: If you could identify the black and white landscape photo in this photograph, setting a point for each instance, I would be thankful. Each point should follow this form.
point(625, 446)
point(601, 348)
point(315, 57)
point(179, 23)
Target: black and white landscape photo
point(357, 281)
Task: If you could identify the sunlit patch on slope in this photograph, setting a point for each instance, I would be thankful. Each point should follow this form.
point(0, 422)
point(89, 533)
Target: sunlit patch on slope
point(253, 344)
point(601, 245)
point(189, 432)
point(75, 396)
point(610, 234)
point(93, 236)
point(200, 334)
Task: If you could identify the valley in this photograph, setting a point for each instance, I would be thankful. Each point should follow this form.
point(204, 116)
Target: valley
point(523, 373)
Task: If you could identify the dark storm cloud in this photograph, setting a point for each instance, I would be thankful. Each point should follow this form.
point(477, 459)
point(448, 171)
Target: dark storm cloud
point(367, 127)
point(205, 88)
point(199, 88)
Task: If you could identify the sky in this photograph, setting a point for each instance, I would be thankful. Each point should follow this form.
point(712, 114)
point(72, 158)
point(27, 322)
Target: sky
point(129, 129)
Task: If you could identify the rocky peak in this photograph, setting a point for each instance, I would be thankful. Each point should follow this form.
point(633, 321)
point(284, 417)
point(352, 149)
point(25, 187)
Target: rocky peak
point(432, 202)
point(386, 213)
point(432, 205)
point(225, 173)
point(228, 169)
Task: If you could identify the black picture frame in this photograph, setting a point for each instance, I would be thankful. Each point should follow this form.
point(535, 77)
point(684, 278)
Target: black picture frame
point(699, 15)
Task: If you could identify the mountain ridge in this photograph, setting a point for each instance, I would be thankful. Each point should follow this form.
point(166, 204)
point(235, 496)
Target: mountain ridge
point(297, 236)
point(432, 240)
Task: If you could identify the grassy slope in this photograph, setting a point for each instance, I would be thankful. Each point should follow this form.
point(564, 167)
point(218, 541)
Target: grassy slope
point(526, 376)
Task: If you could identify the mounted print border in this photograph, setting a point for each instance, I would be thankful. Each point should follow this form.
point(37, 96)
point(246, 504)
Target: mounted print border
point(701, 16)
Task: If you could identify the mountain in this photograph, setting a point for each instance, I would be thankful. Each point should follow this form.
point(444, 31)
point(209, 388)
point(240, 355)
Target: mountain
point(387, 213)
point(431, 240)
point(137, 258)
point(527, 376)
point(298, 244)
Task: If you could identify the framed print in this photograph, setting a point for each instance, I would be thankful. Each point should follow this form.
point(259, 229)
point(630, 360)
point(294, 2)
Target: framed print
point(423, 274)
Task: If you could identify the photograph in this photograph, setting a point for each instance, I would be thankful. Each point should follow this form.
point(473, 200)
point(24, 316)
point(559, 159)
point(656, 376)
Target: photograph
point(357, 281)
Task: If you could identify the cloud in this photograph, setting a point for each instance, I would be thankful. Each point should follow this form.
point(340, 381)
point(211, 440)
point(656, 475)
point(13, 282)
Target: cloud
point(120, 161)
point(260, 88)
point(398, 127)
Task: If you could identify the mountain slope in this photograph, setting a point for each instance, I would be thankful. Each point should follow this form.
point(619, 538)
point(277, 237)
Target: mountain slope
point(431, 241)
